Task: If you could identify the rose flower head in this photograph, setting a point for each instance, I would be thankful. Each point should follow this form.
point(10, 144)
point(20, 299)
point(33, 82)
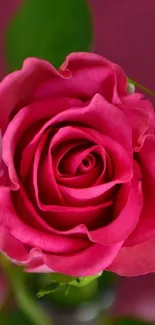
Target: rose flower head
point(77, 186)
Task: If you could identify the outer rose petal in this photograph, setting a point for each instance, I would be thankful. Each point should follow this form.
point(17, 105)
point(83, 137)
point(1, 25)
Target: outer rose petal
point(145, 229)
point(139, 121)
point(80, 69)
point(32, 237)
point(89, 74)
point(77, 263)
point(138, 101)
point(135, 260)
point(76, 62)
point(17, 252)
point(16, 89)
point(89, 261)
point(1, 162)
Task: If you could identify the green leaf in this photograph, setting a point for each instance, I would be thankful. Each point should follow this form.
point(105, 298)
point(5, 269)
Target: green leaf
point(58, 280)
point(75, 296)
point(83, 281)
point(48, 29)
point(48, 289)
point(63, 279)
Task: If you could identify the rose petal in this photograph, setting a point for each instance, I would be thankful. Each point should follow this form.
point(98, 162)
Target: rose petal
point(43, 178)
point(18, 253)
point(77, 264)
point(1, 161)
point(89, 74)
point(110, 121)
point(26, 118)
point(138, 101)
point(32, 74)
point(61, 220)
point(146, 227)
point(139, 121)
point(95, 173)
point(32, 237)
point(119, 157)
point(86, 262)
point(126, 220)
point(136, 260)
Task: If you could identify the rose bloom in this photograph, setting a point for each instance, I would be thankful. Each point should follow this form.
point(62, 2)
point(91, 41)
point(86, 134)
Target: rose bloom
point(77, 193)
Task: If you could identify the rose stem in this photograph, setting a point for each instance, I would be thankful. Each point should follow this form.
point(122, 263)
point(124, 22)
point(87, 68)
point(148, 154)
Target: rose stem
point(146, 90)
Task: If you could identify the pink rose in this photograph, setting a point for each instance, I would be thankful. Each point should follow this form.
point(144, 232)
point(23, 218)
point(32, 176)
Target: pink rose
point(78, 190)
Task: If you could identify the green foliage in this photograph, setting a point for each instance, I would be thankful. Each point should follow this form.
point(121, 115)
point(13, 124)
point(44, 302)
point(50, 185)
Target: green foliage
point(57, 280)
point(75, 295)
point(15, 318)
point(83, 281)
point(103, 320)
point(48, 289)
point(128, 321)
point(48, 29)
point(107, 280)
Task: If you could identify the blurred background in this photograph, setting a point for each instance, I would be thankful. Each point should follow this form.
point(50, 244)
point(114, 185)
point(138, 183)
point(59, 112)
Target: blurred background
point(122, 31)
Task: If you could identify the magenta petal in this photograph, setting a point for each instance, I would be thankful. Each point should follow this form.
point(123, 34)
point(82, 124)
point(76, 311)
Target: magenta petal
point(18, 253)
point(22, 121)
point(139, 121)
point(12, 247)
point(88, 74)
point(78, 263)
point(81, 66)
point(27, 235)
point(137, 101)
point(89, 261)
point(100, 115)
point(26, 208)
point(110, 121)
point(119, 229)
point(43, 175)
point(145, 229)
point(79, 175)
point(119, 156)
point(136, 260)
point(32, 74)
point(1, 161)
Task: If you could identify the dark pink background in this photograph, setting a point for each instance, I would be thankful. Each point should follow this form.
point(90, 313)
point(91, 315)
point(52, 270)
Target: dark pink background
point(124, 32)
